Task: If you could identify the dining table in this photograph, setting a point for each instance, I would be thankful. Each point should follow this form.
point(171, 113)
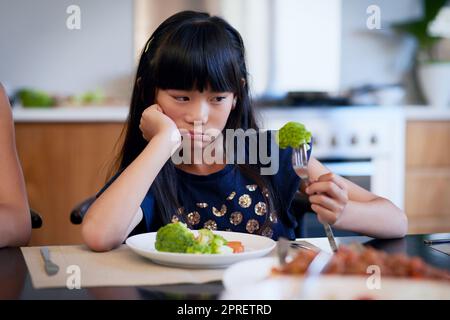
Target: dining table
point(16, 282)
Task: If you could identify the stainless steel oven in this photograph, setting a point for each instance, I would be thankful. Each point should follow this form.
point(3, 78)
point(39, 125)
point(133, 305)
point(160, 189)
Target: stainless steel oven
point(359, 171)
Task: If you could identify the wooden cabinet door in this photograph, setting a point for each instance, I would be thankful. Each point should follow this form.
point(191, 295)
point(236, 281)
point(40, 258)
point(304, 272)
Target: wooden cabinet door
point(64, 164)
point(427, 189)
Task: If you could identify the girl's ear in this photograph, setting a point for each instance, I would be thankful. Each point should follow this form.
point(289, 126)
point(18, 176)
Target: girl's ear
point(243, 82)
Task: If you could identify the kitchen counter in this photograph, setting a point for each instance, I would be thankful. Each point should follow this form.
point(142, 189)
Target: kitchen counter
point(120, 113)
point(410, 113)
point(426, 113)
point(71, 114)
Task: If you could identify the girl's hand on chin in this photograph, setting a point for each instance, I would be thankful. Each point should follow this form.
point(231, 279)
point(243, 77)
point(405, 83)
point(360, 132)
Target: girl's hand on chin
point(154, 122)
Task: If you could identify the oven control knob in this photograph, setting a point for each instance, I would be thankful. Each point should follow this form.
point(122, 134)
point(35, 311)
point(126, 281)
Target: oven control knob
point(373, 140)
point(333, 141)
point(354, 140)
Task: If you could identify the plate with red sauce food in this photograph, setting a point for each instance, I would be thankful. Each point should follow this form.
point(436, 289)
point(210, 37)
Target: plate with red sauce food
point(354, 273)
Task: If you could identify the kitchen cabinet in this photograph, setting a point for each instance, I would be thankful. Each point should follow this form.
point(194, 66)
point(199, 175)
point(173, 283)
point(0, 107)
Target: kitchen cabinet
point(427, 176)
point(63, 164)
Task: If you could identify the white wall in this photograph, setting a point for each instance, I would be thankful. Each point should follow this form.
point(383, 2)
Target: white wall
point(375, 56)
point(38, 50)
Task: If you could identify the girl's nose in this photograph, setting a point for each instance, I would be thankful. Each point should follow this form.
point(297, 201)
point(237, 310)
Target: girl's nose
point(198, 112)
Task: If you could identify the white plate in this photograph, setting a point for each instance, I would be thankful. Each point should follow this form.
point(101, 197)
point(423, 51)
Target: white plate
point(254, 247)
point(251, 280)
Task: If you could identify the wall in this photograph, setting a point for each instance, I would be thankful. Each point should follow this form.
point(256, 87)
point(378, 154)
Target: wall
point(376, 56)
point(38, 50)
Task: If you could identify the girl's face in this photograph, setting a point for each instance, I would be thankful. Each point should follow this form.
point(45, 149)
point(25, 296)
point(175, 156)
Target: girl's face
point(199, 115)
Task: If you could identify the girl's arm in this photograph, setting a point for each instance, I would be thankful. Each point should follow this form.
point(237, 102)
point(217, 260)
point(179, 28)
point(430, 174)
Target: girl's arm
point(117, 210)
point(347, 206)
point(15, 222)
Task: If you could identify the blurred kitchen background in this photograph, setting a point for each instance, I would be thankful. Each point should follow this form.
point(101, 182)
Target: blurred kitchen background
point(371, 79)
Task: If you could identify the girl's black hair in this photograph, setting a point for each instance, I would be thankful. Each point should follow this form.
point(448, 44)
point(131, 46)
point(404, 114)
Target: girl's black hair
point(191, 51)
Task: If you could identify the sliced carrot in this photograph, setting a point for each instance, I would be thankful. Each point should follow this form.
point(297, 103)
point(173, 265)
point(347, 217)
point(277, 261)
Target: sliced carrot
point(236, 246)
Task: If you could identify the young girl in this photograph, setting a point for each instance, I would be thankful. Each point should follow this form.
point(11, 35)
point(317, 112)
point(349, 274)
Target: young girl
point(15, 224)
point(192, 78)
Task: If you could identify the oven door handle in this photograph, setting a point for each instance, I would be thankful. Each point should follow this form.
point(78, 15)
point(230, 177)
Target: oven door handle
point(355, 168)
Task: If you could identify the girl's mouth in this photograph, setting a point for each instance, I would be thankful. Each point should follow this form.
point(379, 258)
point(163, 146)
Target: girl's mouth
point(198, 136)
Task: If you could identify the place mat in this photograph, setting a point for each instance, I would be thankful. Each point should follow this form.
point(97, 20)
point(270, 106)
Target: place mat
point(119, 267)
point(442, 247)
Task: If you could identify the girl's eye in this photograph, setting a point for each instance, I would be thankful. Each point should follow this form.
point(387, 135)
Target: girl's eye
point(181, 99)
point(219, 99)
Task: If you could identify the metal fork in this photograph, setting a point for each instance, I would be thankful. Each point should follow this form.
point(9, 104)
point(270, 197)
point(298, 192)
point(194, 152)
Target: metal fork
point(51, 268)
point(300, 244)
point(300, 164)
point(284, 245)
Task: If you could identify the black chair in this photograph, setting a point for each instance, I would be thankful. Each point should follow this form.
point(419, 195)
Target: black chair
point(78, 213)
point(36, 220)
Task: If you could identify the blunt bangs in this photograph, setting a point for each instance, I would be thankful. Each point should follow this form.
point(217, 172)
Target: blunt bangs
point(197, 56)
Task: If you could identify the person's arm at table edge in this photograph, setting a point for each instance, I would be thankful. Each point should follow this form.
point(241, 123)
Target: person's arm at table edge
point(15, 221)
point(117, 210)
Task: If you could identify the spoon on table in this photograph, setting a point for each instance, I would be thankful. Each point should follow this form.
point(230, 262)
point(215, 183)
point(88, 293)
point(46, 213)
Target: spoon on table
point(51, 268)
